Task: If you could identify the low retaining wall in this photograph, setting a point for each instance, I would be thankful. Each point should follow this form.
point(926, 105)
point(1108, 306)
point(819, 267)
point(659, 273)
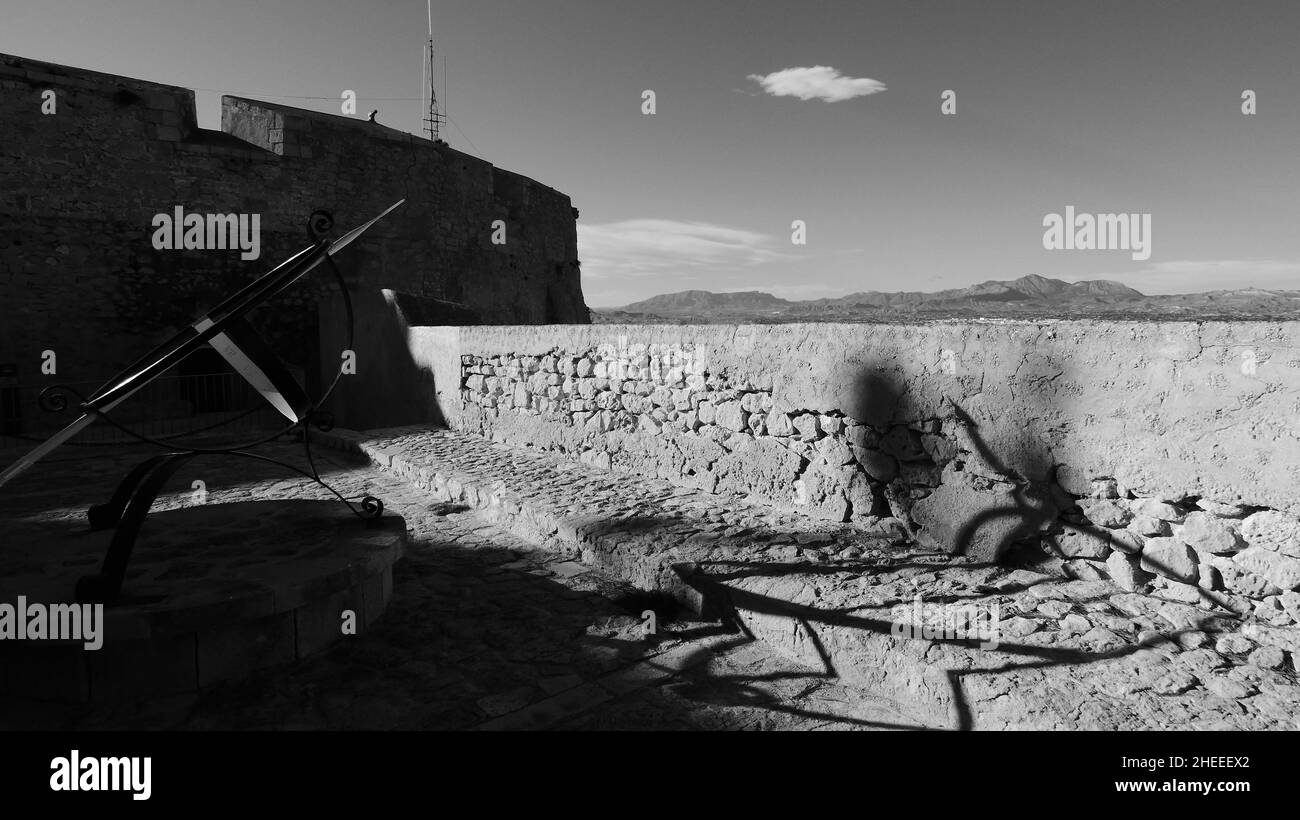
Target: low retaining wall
point(1150, 453)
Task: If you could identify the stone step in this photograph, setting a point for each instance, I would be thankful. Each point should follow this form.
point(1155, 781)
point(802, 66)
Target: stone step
point(1066, 654)
point(645, 531)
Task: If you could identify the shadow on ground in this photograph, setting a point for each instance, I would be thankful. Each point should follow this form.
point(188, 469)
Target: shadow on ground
point(481, 628)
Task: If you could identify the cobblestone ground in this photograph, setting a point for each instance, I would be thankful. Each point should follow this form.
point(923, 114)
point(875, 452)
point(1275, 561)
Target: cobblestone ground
point(1070, 655)
point(484, 630)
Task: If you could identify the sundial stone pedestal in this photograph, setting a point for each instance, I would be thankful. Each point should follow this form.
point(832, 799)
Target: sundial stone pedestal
point(213, 592)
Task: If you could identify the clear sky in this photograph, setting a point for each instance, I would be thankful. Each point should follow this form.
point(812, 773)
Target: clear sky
point(1112, 107)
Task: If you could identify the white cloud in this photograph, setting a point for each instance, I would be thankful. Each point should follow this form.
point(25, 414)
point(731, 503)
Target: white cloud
point(667, 248)
point(619, 259)
point(820, 82)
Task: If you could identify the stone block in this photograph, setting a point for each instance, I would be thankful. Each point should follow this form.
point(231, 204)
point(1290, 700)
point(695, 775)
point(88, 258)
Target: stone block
point(1279, 570)
point(1148, 525)
point(1127, 541)
point(1106, 512)
point(1206, 533)
point(1155, 508)
point(835, 451)
point(859, 435)
point(47, 670)
point(1273, 530)
point(807, 426)
point(731, 416)
point(320, 622)
point(1084, 569)
point(1082, 543)
point(133, 669)
point(903, 443)
point(940, 449)
point(879, 465)
point(1170, 558)
point(779, 424)
point(232, 650)
point(1126, 572)
point(1222, 509)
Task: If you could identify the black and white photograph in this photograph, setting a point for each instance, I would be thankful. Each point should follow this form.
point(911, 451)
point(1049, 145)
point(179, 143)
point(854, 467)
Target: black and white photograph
point(372, 372)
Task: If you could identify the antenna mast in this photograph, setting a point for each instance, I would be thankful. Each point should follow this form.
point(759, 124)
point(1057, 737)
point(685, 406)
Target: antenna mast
point(434, 121)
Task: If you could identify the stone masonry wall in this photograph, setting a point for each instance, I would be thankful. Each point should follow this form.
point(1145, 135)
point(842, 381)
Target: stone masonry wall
point(1161, 455)
point(79, 187)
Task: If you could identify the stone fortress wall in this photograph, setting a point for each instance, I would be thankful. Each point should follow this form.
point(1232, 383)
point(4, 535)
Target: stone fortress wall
point(79, 187)
point(1161, 455)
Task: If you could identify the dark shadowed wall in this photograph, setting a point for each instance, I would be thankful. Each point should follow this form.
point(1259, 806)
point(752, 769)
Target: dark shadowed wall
point(79, 187)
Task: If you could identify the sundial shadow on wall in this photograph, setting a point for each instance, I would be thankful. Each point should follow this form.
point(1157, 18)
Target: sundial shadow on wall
point(225, 329)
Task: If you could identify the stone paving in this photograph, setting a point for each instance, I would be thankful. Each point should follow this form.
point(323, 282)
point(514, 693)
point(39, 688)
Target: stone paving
point(1071, 654)
point(484, 630)
point(517, 607)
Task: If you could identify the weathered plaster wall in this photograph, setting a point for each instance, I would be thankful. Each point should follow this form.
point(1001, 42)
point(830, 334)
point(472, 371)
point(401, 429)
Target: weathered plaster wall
point(1115, 447)
point(79, 188)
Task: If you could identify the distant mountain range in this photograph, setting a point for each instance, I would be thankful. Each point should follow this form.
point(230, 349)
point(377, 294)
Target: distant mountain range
point(1027, 297)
